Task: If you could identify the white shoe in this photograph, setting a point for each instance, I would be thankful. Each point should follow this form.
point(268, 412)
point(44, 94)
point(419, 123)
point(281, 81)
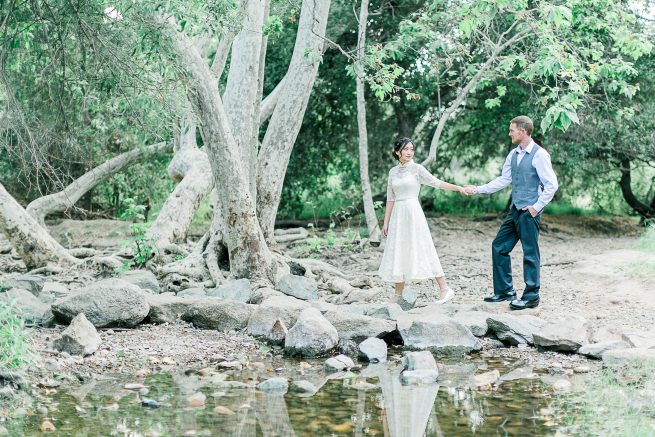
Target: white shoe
point(449, 295)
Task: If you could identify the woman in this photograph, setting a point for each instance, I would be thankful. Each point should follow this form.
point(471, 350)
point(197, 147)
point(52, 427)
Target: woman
point(409, 254)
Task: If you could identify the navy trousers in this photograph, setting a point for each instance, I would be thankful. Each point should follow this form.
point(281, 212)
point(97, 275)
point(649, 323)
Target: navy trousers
point(518, 225)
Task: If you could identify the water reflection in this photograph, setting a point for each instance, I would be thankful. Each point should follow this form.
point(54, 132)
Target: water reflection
point(370, 403)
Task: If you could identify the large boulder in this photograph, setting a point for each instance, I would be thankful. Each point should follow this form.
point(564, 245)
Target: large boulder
point(240, 290)
point(515, 330)
point(143, 279)
point(564, 334)
point(167, 308)
point(300, 287)
point(267, 318)
point(619, 357)
point(222, 315)
point(311, 336)
point(31, 283)
point(108, 303)
point(358, 328)
point(52, 291)
point(388, 312)
point(33, 310)
point(79, 338)
point(476, 321)
point(441, 335)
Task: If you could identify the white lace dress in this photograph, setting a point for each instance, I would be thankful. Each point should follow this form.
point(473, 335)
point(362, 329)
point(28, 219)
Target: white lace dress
point(409, 252)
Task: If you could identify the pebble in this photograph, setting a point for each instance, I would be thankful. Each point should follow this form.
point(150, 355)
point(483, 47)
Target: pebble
point(135, 386)
point(582, 369)
point(197, 400)
point(47, 426)
point(223, 410)
point(149, 403)
point(52, 365)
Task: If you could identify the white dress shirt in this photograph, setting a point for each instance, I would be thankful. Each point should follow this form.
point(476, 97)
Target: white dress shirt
point(540, 162)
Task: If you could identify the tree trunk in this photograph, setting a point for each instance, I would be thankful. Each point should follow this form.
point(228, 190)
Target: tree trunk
point(369, 209)
point(644, 210)
point(41, 207)
point(287, 117)
point(32, 242)
point(248, 252)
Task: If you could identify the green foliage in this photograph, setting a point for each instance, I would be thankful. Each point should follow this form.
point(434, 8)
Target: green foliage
point(647, 240)
point(14, 345)
point(617, 401)
point(142, 245)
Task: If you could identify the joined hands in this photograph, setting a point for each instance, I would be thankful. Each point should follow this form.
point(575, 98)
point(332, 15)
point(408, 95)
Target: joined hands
point(469, 190)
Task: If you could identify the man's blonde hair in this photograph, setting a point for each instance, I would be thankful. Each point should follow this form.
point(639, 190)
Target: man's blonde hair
point(523, 122)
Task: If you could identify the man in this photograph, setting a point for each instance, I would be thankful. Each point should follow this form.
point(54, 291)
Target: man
point(534, 183)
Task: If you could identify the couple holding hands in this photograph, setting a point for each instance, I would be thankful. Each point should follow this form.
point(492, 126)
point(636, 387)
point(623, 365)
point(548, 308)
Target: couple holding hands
point(409, 253)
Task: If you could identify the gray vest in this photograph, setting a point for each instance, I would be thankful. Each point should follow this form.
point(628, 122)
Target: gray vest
point(525, 180)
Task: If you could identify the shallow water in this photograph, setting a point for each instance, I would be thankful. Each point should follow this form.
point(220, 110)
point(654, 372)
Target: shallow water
point(370, 402)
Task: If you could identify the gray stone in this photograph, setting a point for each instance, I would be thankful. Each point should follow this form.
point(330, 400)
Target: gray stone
point(276, 385)
point(108, 303)
point(596, 350)
point(311, 336)
point(419, 377)
point(239, 290)
point(359, 328)
point(618, 357)
point(639, 339)
point(564, 334)
point(339, 363)
point(422, 360)
point(441, 335)
point(143, 279)
point(79, 338)
point(53, 291)
point(33, 311)
point(262, 322)
point(520, 373)
point(303, 388)
point(12, 379)
point(408, 299)
point(515, 330)
point(476, 321)
point(373, 350)
point(167, 308)
point(217, 314)
point(192, 292)
point(31, 283)
point(388, 312)
point(485, 380)
point(299, 287)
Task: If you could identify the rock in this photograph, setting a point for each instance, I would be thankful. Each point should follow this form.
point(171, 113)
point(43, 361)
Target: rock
point(262, 322)
point(339, 363)
point(149, 403)
point(239, 290)
point(52, 365)
point(582, 369)
point(339, 285)
point(34, 311)
point(408, 299)
point(564, 334)
point(11, 379)
point(359, 295)
point(79, 338)
point(274, 385)
point(476, 321)
point(47, 426)
point(311, 336)
point(108, 303)
point(418, 377)
point(520, 373)
point(144, 279)
point(192, 292)
point(52, 291)
point(597, 350)
point(485, 380)
point(440, 335)
point(221, 315)
point(31, 283)
point(299, 287)
point(515, 330)
point(618, 357)
point(639, 339)
point(419, 361)
point(303, 388)
point(359, 328)
point(373, 350)
point(167, 308)
point(197, 400)
point(223, 410)
point(388, 312)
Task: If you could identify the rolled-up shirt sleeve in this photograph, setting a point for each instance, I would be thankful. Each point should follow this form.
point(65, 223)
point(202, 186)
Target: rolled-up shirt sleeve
point(501, 181)
point(426, 178)
point(390, 196)
point(541, 163)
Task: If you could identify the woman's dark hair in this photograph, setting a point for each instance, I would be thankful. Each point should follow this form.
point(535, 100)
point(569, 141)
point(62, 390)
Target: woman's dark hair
point(399, 145)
